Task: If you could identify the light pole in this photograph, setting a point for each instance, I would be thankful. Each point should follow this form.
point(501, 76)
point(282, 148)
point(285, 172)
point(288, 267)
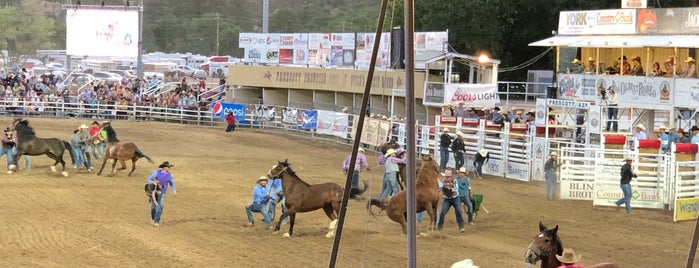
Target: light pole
point(139, 60)
point(218, 19)
point(265, 16)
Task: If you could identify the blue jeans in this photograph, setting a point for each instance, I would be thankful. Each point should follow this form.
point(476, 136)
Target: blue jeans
point(612, 118)
point(157, 211)
point(626, 200)
point(97, 150)
point(446, 205)
point(355, 178)
point(459, 158)
point(443, 157)
point(258, 207)
point(465, 199)
point(271, 210)
point(390, 185)
point(479, 168)
point(551, 186)
point(85, 153)
point(78, 156)
point(10, 153)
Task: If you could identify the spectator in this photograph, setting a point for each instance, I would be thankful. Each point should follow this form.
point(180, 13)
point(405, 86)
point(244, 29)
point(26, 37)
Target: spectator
point(695, 135)
point(260, 199)
point(612, 102)
point(640, 132)
point(636, 68)
point(230, 122)
point(458, 148)
point(164, 177)
point(577, 67)
point(591, 67)
point(691, 68)
point(450, 198)
point(444, 143)
point(481, 157)
point(682, 137)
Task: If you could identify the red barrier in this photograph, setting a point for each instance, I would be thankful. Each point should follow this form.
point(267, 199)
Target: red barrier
point(686, 148)
point(653, 144)
point(615, 139)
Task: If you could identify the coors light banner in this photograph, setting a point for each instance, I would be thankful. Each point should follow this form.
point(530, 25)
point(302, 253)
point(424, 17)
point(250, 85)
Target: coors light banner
point(472, 95)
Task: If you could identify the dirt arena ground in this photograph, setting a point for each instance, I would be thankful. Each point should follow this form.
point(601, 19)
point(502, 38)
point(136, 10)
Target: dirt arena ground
point(90, 221)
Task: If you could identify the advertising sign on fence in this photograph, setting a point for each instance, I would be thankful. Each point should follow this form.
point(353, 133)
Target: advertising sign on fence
point(577, 190)
point(220, 109)
point(494, 167)
point(517, 171)
point(686, 209)
point(606, 195)
point(309, 119)
point(540, 154)
point(332, 123)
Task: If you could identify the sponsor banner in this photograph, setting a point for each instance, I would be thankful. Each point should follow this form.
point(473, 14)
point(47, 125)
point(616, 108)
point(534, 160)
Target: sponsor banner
point(102, 32)
point(290, 116)
point(567, 103)
point(494, 167)
point(634, 3)
point(594, 126)
point(690, 20)
point(577, 190)
point(220, 110)
point(540, 113)
point(686, 92)
point(472, 95)
point(658, 21)
point(540, 155)
point(686, 209)
point(433, 94)
point(260, 47)
point(650, 92)
point(382, 132)
point(606, 195)
point(301, 49)
point(309, 119)
point(332, 123)
point(596, 22)
point(517, 171)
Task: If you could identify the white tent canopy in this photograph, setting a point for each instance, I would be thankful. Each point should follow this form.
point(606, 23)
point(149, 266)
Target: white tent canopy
point(619, 41)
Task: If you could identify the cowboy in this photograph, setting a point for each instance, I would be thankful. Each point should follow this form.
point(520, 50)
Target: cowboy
point(482, 157)
point(636, 68)
point(458, 148)
point(260, 198)
point(577, 67)
point(450, 198)
point(83, 146)
point(625, 183)
point(390, 184)
point(359, 163)
point(8, 145)
point(550, 171)
point(640, 132)
point(444, 142)
point(664, 138)
point(591, 67)
point(164, 177)
point(96, 139)
point(464, 185)
point(691, 68)
point(568, 259)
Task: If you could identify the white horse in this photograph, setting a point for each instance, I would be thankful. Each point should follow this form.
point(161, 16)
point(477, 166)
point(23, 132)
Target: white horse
point(467, 263)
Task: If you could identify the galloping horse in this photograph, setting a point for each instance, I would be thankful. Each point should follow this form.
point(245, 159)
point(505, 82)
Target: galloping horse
point(400, 176)
point(546, 246)
point(428, 196)
point(303, 197)
point(120, 152)
point(29, 144)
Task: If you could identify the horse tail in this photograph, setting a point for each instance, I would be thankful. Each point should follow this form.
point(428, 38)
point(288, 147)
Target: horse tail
point(70, 150)
point(374, 202)
point(142, 155)
point(361, 191)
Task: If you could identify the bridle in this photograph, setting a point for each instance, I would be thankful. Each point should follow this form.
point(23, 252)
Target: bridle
point(538, 252)
point(278, 173)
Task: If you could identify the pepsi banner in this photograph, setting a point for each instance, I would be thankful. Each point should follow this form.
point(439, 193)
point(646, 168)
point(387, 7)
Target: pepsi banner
point(220, 110)
point(309, 119)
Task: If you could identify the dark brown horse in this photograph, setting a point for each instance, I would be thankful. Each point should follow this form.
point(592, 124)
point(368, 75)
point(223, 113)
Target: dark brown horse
point(120, 152)
point(546, 246)
point(400, 176)
point(303, 197)
point(29, 144)
point(427, 195)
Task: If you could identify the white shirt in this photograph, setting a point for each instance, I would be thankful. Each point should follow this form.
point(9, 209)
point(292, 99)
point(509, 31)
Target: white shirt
point(613, 99)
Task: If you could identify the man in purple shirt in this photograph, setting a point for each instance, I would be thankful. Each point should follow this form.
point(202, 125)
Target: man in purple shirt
point(359, 163)
point(164, 177)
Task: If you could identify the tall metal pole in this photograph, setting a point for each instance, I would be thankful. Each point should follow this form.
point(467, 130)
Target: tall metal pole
point(357, 141)
point(265, 16)
point(409, 18)
point(139, 61)
point(218, 18)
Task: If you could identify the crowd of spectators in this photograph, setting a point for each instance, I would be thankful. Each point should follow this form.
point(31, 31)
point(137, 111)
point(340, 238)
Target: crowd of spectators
point(26, 90)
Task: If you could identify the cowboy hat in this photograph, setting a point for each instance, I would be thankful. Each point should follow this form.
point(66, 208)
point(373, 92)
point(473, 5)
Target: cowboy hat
point(8, 129)
point(165, 164)
point(628, 158)
point(689, 59)
point(694, 128)
point(361, 150)
point(459, 133)
point(462, 170)
point(636, 58)
point(641, 126)
point(576, 61)
point(568, 256)
point(483, 152)
point(83, 126)
point(590, 59)
point(662, 127)
point(95, 122)
point(554, 154)
point(445, 129)
point(262, 178)
point(390, 152)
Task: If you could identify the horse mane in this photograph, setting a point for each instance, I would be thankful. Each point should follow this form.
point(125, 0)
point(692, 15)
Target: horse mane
point(292, 172)
point(111, 134)
point(555, 239)
point(23, 129)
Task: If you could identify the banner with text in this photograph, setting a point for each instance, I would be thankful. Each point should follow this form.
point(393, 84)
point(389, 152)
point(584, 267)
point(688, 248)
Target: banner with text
point(686, 209)
point(494, 167)
point(577, 190)
point(607, 21)
point(648, 92)
point(472, 95)
point(309, 119)
point(606, 195)
point(332, 123)
point(517, 171)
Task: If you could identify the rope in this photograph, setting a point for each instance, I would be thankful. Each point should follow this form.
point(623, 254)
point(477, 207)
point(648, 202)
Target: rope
point(366, 229)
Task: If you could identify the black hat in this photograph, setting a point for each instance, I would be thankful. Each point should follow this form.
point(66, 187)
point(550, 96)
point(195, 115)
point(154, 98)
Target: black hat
point(496, 108)
point(166, 164)
point(8, 129)
point(624, 58)
point(694, 128)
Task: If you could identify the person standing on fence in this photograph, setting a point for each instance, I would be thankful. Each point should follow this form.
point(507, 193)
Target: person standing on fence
point(464, 185)
point(550, 175)
point(230, 122)
point(390, 184)
point(444, 142)
point(612, 109)
point(450, 198)
point(626, 175)
point(359, 163)
point(481, 158)
point(458, 148)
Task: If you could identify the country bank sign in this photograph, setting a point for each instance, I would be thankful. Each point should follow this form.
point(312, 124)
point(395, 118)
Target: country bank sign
point(611, 21)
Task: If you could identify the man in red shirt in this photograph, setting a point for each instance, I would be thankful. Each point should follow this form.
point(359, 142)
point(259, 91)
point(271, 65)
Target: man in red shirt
point(230, 121)
point(96, 140)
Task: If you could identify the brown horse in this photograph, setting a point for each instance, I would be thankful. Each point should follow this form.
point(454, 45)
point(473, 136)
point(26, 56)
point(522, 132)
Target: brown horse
point(400, 176)
point(427, 195)
point(546, 246)
point(120, 152)
point(303, 197)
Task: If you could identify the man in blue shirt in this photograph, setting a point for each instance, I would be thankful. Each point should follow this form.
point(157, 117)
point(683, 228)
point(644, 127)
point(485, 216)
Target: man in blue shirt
point(164, 177)
point(260, 197)
point(276, 196)
point(463, 183)
point(695, 135)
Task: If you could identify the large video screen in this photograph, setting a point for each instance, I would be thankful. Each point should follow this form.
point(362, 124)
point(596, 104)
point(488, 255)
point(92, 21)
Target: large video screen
point(95, 32)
